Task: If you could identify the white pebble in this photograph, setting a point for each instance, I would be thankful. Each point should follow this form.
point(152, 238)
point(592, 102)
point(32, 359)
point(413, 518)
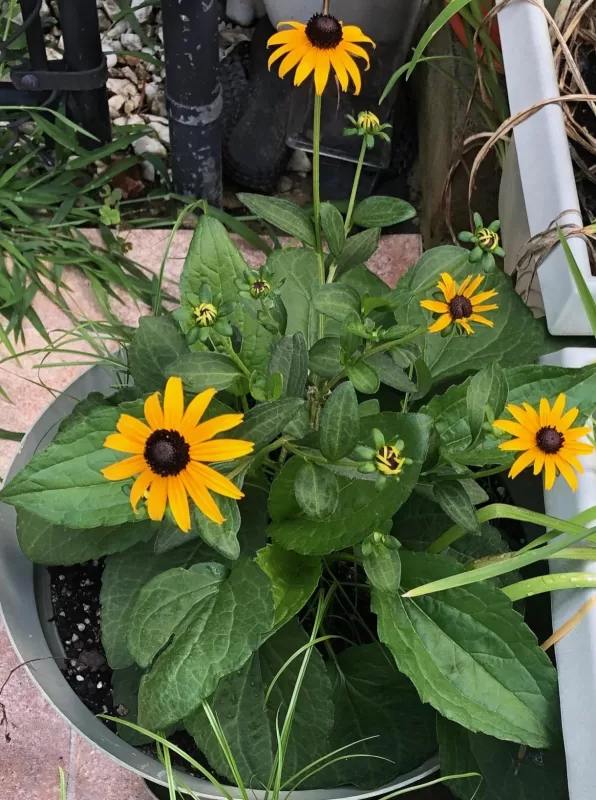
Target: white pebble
point(147, 144)
point(80, 626)
point(300, 162)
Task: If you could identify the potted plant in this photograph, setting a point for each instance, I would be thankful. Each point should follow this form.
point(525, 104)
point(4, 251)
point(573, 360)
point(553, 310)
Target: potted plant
point(297, 428)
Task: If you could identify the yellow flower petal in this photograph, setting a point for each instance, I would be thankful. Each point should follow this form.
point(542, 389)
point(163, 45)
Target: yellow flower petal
point(482, 320)
point(133, 428)
point(544, 412)
point(299, 26)
point(571, 459)
point(139, 487)
point(305, 67)
point(291, 60)
point(566, 472)
point(573, 434)
point(179, 502)
point(207, 430)
point(449, 286)
point(221, 450)
point(196, 408)
point(514, 428)
point(522, 462)
point(567, 420)
point(116, 441)
point(490, 307)
point(153, 412)
point(322, 70)
point(473, 286)
point(465, 325)
point(279, 53)
point(557, 409)
point(213, 480)
point(483, 296)
point(579, 448)
point(202, 499)
point(282, 37)
point(351, 67)
point(124, 469)
point(356, 50)
point(440, 324)
point(518, 444)
point(340, 70)
point(158, 497)
point(550, 472)
point(173, 404)
point(539, 461)
point(532, 414)
point(352, 33)
point(527, 419)
point(462, 288)
point(435, 305)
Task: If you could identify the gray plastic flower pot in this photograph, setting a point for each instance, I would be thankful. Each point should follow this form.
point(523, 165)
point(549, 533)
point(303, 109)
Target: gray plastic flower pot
point(576, 662)
point(23, 600)
point(538, 185)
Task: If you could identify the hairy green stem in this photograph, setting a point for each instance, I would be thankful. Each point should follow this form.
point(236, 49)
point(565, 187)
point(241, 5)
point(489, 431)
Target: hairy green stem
point(355, 186)
point(316, 198)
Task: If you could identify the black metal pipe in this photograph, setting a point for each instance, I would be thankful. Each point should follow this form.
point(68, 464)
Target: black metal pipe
point(194, 97)
point(34, 35)
point(82, 51)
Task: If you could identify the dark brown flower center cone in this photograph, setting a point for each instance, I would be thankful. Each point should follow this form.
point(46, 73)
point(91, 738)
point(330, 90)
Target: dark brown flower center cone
point(549, 440)
point(167, 453)
point(324, 32)
point(460, 307)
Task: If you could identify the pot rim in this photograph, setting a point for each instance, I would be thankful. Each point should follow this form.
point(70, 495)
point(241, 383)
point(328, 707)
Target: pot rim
point(20, 609)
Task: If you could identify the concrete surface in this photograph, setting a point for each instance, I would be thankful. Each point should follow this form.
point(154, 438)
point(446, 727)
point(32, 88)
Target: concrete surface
point(35, 741)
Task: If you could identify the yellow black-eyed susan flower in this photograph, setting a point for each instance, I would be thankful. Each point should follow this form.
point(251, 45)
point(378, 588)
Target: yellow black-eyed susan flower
point(170, 453)
point(461, 305)
point(367, 125)
point(485, 239)
point(321, 44)
point(387, 459)
point(547, 440)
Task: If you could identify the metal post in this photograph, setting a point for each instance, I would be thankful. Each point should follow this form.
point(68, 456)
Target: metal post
point(194, 96)
point(82, 51)
point(34, 35)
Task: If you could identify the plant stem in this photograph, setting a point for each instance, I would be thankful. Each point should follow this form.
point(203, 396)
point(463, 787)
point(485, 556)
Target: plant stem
point(355, 186)
point(316, 197)
point(227, 344)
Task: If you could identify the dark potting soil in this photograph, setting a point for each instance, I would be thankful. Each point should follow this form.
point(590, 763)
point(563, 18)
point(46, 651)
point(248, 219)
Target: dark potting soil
point(77, 615)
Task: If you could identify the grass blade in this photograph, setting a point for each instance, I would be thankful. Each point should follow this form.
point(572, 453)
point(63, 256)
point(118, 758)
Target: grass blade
point(441, 19)
point(585, 294)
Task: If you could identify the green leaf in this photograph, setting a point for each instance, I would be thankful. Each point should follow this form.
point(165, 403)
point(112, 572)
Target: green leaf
point(324, 357)
point(339, 427)
point(526, 384)
point(338, 301)
point(507, 770)
point(470, 655)
point(285, 215)
point(219, 638)
point(156, 344)
point(10, 436)
point(332, 223)
point(45, 543)
point(299, 426)
point(316, 491)
point(515, 338)
point(249, 724)
point(63, 484)
point(379, 212)
point(294, 578)
point(454, 500)
point(164, 602)
point(374, 701)
point(487, 388)
point(364, 376)
point(124, 576)
point(200, 371)
point(298, 269)
point(265, 421)
point(383, 566)
point(583, 290)
point(125, 694)
point(390, 374)
point(289, 356)
point(369, 408)
point(358, 250)
point(213, 259)
point(361, 508)
point(222, 538)
point(256, 344)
